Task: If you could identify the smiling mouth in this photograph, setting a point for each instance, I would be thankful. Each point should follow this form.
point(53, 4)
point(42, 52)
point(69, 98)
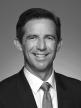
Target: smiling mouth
point(40, 55)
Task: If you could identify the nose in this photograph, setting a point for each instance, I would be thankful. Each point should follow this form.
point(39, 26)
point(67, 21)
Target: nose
point(41, 45)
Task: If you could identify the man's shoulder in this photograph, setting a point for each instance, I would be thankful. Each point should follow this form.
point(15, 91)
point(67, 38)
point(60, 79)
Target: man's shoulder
point(68, 82)
point(11, 79)
point(8, 87)
point(9, 82)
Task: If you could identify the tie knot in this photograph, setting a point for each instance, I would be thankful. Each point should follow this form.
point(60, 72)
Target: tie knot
point(45, 86)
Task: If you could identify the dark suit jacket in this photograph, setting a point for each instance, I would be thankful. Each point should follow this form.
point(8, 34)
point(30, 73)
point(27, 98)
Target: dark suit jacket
point(15, 92)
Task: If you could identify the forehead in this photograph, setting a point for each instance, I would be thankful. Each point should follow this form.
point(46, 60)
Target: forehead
point(39, 25)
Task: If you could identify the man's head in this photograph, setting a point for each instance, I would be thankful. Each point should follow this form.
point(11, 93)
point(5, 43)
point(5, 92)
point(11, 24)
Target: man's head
point(38, 37)
point(36, 13)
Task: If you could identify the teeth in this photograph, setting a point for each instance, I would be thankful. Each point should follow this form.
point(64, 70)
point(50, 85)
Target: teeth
point(40, 55)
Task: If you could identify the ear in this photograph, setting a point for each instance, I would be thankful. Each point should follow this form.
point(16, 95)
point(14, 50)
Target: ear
point(59, 46)
point(18, 44)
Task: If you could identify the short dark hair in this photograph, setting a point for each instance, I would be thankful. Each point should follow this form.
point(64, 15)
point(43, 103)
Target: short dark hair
point(36, 13)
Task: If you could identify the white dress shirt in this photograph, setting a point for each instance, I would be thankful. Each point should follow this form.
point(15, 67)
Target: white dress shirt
point(35, 84)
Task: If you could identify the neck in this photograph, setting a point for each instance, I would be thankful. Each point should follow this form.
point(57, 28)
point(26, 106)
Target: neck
point(43, 75)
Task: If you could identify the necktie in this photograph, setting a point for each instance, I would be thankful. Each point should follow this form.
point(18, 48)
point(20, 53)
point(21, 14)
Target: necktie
point(47, 102)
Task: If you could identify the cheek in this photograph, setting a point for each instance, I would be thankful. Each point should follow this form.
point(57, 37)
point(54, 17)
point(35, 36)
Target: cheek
point(51, 45)
point(30, 45)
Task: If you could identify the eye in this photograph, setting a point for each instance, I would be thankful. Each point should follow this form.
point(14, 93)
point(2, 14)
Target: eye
point(29, 37)
point(51, 37)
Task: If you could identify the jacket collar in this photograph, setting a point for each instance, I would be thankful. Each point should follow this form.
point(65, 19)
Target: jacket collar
point(26, 95)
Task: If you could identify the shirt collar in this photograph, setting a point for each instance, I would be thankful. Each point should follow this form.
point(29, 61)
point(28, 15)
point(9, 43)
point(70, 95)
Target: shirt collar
point(35, 82)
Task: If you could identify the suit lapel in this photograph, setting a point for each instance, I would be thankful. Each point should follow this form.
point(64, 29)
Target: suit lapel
point(60, 91)
point(26, 96)
point(65, 100)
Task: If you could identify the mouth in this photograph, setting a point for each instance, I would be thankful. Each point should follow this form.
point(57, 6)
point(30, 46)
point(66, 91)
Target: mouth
point(40, 55)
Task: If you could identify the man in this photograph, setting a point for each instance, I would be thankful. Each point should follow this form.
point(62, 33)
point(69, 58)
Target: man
point(37, 85)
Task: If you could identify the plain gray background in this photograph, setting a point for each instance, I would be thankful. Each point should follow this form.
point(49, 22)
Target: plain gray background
point(68, 61)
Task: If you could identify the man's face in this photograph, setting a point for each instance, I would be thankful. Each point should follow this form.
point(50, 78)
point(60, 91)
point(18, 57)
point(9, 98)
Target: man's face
point(39, 44)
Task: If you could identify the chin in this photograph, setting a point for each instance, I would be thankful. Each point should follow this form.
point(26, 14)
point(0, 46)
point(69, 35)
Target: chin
point(43, 67)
